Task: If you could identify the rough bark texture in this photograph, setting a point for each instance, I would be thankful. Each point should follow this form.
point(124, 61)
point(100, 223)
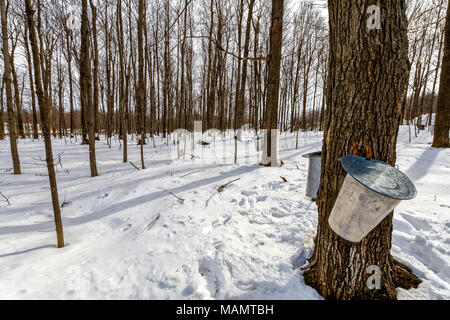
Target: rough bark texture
point(8, 87)
point(368, 76)
point(122, 89)
point(32, 92)
point(442, 125)
point(141, 90)
point(86, 87)
point(2, 123)
point(43, 108)
point(273, 83)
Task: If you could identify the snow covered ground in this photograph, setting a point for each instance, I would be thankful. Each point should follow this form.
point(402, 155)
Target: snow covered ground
point(247, 242)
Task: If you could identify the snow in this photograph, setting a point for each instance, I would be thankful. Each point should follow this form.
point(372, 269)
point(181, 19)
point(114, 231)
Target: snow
point(247, 242)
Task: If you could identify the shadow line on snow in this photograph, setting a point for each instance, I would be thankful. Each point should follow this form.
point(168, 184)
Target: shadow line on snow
point(67, 222)
point(27, 250)
point(420, 168)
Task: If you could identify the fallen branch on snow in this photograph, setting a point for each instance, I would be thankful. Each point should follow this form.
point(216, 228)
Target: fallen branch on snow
point(7, 200)
point(152, 222)
point(182, 200)
point(134, 165)
point(221, 188)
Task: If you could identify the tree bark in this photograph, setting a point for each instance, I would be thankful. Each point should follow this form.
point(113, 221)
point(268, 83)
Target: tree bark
point(95, 71)
point(32, 91)
point(442, 124)
point(141, 86)
point(122, 89)
point(2, 123)
point(273, 82)
point(43, 108)
point(8, 87)
point(363, 118)
point(86, 86)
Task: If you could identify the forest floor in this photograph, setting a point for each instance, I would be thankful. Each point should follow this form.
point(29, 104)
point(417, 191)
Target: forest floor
point(167, 233)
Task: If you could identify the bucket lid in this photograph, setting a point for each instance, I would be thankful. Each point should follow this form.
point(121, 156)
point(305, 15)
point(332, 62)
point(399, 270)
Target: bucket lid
point(313, 155)
point(380, 177)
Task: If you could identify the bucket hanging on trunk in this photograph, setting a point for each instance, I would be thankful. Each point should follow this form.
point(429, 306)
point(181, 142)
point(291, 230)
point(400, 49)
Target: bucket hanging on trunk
point(371, 191)
point(314, 171)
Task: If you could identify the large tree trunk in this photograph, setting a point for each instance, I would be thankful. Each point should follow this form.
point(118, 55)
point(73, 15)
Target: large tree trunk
point(43, 108)
point(8, 87)
point(86, 86)
point(240, 110)
point(363, 118)
point(273, 82)
point(442, 125)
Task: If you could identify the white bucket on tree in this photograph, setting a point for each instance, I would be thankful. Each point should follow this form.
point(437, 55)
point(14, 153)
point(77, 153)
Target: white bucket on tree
point(371, 191)
point(314, 173)
point(259, 143)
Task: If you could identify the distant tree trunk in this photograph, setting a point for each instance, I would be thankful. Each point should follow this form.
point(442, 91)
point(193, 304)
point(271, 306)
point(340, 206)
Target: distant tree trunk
point(364, 119)
point(86, 86)
point(43, 108)
point(69, 71)
point(32, 91)
point(313, 116)
point(9, 97)
point(442, 125)
point(17, 101)
point(95, 71)
point(240, 110)
point(141, 86)
point(273, 82)
point(109, 83)
point(166, 87)
point(2, 107)
point(238, 77)
point(436, 74)
point(62, 121)
point(122, 89)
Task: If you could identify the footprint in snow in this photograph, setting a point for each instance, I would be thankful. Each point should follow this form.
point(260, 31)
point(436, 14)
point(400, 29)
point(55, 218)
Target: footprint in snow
point(209, 269)
point(277, 213)
point(261, 198)
point(243, 202)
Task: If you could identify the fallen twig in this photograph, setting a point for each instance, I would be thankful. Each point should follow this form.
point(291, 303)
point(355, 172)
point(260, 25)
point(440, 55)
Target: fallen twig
point(221, 188)
point(39, 203)
point(59, 160)
point(152, 222)
point(190, 173)
point(134, 165)
point(182, 200)
point(7, 200)
point(284, 179)
point(65, 203)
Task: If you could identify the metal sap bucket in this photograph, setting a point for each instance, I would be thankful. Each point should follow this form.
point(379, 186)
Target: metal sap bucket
point(371, 191)
point(314, 172)
point(259, 143)
point(432, 129)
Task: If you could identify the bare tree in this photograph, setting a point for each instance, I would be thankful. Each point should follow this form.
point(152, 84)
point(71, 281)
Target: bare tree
point(43, 107)
point(9, 97)
point(86, 86)
point(441, 135)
